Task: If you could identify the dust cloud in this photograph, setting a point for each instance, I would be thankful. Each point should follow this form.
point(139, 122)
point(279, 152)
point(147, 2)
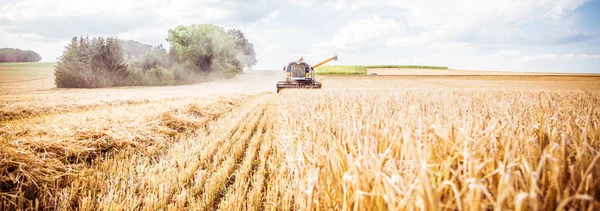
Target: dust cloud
point(249, 82)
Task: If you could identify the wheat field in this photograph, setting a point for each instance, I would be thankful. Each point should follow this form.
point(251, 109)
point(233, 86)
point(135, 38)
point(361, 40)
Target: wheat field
point(360, 143)
point(431, 150)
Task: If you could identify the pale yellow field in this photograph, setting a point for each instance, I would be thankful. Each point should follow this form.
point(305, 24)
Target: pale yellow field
point(360, 143)
point(408, 71)
point(22, 72)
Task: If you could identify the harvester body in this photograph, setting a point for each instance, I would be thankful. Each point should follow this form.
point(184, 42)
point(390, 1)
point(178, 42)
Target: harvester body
point(300, 75)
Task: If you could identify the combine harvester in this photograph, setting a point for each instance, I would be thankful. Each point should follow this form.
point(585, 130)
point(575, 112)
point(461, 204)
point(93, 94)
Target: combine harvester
point(300, 75)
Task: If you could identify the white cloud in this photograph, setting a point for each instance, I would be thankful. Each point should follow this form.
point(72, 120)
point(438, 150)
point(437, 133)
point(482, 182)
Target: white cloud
point(561, 7)
point(517, 56)
point(187, 12)
point(61, 19)
point(508, 54)
point(554, 57)
point(588, 56)
point(496, 21)
point(462, 34)
point(269, 17)
point(32, 9)
point(339, 4)
point(543, 57)
point(410, 60)
point(362, 32)
point(475, 34)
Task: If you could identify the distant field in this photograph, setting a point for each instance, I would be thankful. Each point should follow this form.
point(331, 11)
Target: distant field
point(408, 70)
point(17, 72)
point(363, 69)
point(449, 72)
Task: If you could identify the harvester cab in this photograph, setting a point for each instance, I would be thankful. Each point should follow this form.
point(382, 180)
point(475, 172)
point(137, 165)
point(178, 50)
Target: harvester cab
point(300, 75)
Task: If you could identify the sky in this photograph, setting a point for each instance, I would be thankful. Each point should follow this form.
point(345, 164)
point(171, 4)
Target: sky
point(503, 35)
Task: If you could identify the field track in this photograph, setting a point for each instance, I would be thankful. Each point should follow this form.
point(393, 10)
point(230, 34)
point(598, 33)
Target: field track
point(215, 154)
point(215, 168)
point(21, 81)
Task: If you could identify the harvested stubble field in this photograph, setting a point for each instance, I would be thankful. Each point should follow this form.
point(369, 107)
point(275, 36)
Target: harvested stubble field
point(466, 143)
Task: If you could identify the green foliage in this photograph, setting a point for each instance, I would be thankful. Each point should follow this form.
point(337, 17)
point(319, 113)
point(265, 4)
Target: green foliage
point(245, 56)
point(156, 57)
point(158, 76)
point(362, 69)
point(144, 56)
point(18, 55)
point(91, 63)
point(209, 47)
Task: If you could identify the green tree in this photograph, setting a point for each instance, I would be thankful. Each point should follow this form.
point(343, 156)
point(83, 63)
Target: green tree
point(245, 56)
point(209, 47)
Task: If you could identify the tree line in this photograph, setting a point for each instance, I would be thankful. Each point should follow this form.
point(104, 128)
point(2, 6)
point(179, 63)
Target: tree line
point(18, 55)
point(198, 52)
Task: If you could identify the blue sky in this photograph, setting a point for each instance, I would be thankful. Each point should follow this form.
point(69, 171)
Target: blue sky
point(509, 35)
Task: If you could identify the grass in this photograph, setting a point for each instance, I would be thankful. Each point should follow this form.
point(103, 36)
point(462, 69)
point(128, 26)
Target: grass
point(362, 70)
point(341, 70)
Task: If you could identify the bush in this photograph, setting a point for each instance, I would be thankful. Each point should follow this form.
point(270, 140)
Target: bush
point(91, 63)
point(158, 76)
point(186, 73)
point(208, 47)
